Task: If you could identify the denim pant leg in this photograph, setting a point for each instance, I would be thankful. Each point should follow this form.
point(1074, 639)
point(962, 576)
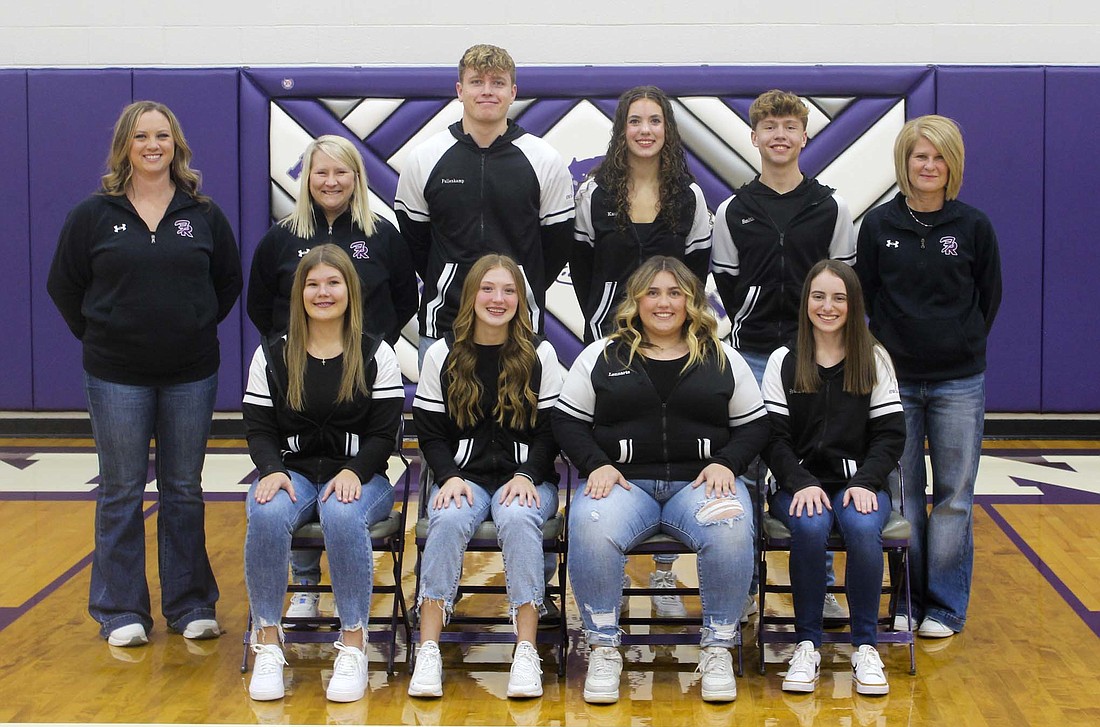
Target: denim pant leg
point(954, 417)
point(122, 419)
point(720, 531)
point(305, 566)
point(863, 574)
point(600, 533)
point(188, 588)
point(346, 526)
point(519, 530)
point(915, 475)
point(807, 564)
point(267, 545)
point(449, 532)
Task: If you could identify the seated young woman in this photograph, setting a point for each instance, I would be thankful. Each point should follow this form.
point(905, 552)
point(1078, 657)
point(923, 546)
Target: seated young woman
point(482, 417)
point(838, 430)
point(322, 408)
point(661, 418)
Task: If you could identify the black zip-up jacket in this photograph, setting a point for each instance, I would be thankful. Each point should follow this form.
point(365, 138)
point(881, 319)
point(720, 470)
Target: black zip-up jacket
point(831, 438)
point(611, 413)
point(604, 256)
point(457, 202)
point(146, 304)
point(390, 295)
point(489, 453)
point(358, 435)
point(759, 268)
point(932, 292)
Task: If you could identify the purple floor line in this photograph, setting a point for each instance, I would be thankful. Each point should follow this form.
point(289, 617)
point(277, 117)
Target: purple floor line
point(1091, 618)
point(9, 615)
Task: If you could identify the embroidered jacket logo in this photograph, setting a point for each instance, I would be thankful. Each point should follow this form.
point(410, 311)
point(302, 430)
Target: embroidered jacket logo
point(183, 228)
point(950, 246)
point(120, 228)
point(892, 243)
point(446, 180)
point(302, 253)
point(619, 373)
point(747, 220)
point(359, 250)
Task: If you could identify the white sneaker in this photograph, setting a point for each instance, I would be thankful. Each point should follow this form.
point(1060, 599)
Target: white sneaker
point(427, 678)
point(525, 679)
point(716, 666)
point(302, 605)
point(868, 671)
point(833, 609)
point(267, 673)
point(601, 686)
point(671, 606)
point(749, 609)
point(128, 635)
point(930, 628)
point(803, 669)
point(349, 675)
point(901, 622)
point(202, 628)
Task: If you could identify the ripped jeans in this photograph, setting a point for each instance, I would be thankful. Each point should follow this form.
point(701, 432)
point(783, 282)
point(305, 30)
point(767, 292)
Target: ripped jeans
point(602, 531)
point(519, 531)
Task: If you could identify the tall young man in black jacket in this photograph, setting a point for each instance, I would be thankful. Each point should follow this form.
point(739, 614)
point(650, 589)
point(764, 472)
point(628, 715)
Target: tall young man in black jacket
point(483, 185)
point(766, 238)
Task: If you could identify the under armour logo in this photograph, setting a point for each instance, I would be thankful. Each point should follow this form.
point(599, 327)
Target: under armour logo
point(747, 220)
point(892, 243)
point(950, 246)
point(183, 228)
point(359, 250)
point(302, 253)
point(120, 228)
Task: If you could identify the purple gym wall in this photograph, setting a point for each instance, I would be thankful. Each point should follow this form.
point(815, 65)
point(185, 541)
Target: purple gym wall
point(1027, 167)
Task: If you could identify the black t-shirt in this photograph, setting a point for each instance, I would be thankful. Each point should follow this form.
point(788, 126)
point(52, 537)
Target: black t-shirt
point(322, 384)
point(664, 374)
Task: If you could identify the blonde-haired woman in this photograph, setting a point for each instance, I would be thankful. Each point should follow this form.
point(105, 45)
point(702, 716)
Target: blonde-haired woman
point(144, 271)
point(931, 274)
point(322, 409)
point(482, 417)
point(661, 418)
point(333, 207)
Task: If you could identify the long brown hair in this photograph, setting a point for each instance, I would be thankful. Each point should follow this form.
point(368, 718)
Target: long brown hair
point(120, 171)
point(353, 381)
point(859, 344)
point(613, 173)
point(517, 402)
point(700, 330)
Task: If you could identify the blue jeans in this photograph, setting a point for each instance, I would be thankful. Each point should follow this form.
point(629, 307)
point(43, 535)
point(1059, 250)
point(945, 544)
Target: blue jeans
point(862, 534)
point(346, 528)
point(124, 419)
point(602, 531)
point(950, 414)
point(758, 363)
point(519, 531)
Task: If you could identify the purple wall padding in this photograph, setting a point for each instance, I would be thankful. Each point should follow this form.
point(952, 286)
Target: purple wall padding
point(1071, 274)
point(206, 104)
point(72, 114)
point(255, 194)
point(1000, 111)
point(15, 353)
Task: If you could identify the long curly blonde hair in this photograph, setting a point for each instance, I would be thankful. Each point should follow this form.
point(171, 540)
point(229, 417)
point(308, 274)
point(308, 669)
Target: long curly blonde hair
point(517, 402)
point(700, 330)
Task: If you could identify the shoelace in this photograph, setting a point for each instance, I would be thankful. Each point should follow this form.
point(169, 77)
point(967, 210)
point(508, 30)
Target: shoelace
point(347, 663)
point(869, 659)
point(664, 579)
point(527, 660)
point(705, 660)
point(603, 666)
point(268, 658)
point(428, 658)
point(803, 659)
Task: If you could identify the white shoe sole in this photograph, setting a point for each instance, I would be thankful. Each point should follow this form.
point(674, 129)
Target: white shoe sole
point(935, 633)
point(133, 639)
point(720, 695)
point(801, 687)
point(601, 697)
point(425, 692)
point(266, 696)
point(871, 690)
point(209, 632)
point(345, 696)
point(525, 693)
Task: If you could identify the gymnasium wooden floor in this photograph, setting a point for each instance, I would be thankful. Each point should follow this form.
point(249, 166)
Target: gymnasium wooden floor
point(1030, 653)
